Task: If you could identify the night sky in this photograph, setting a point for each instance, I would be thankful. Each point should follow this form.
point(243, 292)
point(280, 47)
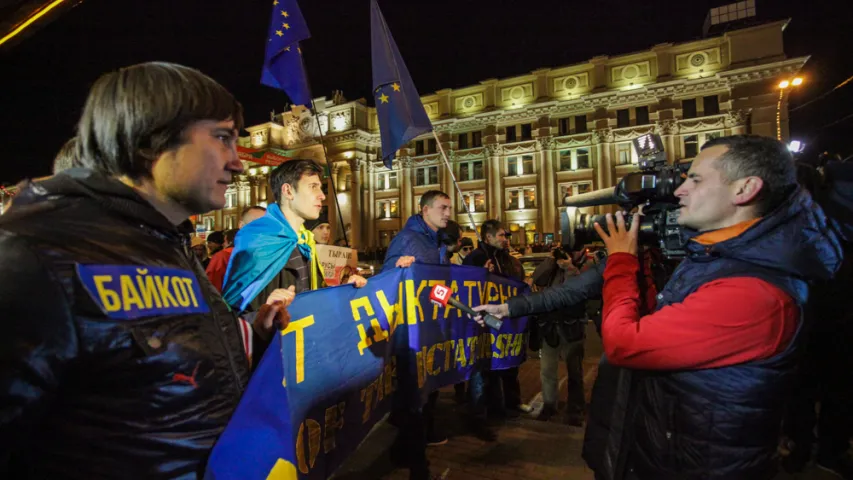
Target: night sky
point(446, 44)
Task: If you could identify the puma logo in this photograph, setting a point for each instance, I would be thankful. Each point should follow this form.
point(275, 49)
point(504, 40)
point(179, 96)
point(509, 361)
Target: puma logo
point(190, 379)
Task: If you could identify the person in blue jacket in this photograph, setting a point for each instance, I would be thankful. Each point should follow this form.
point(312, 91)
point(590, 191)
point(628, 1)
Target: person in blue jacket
point(418, 241)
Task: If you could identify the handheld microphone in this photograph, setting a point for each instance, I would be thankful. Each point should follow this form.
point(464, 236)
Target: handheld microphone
point(441, 295)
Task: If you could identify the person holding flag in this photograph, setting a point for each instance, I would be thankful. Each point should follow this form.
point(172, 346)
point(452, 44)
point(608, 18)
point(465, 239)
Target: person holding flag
point(276, 255)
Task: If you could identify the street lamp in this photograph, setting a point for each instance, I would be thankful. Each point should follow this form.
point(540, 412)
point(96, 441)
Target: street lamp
point(783, 87)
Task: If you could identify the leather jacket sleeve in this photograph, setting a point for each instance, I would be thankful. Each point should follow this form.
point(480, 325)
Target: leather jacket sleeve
point(575, 289)
point(38, 342)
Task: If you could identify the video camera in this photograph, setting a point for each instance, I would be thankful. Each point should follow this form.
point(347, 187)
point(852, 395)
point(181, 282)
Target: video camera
point(653, 187)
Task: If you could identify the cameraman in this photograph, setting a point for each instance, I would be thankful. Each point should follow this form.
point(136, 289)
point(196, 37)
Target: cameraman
point(715, 362)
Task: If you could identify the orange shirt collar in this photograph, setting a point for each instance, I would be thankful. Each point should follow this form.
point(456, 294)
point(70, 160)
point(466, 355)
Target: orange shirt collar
point(723, 234)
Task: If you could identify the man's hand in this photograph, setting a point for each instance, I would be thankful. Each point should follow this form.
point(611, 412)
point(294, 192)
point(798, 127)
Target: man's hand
point(499, 311)
point(620, 239)
point(283, 295)
point(489, 266)
point(405, 262)
point(270, 318)
point(357, 280)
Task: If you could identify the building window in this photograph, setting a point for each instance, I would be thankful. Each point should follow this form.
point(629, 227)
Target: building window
point(387, 209)
point(474, 202)
point(711, 105)
point(476, 139)
point(510, 134)
point(691, 146)
point(583, 158)
point(386, 181)
point(431, 146)
point(230, 222)
point(385, 237)
point(642, 114)
point(522, 165)
point(419, 148)
point(626, 154)
point(623, 118)
point(527, 131)
point(231, 199)
point(688, 108)
point(566, 160)
point(564, 126)
point(580, 123)
point(426, 176)
point(463, 141)
point(471, 170)
point(521, 198)
point(693, 142)
point(574, 159)
point(209, 223)
point(574, 188)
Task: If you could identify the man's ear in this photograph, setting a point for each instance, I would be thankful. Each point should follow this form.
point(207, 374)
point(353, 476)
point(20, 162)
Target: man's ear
point(287, 191)
point(747, 189)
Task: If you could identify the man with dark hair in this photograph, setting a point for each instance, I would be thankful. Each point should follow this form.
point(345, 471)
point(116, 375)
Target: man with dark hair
point(134, 359)
point(215, 243)
point(718, 355)
point(418, 241)
point(493, 253)
point(250, 214)
point(67, 156)
point(276, 251)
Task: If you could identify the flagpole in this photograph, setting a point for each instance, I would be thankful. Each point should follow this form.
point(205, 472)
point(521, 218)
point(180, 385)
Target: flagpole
point(326, 158)
point(459, 190)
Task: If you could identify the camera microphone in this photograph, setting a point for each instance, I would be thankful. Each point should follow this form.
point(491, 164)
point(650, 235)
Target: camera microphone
point(442, 295)
point(605, 196)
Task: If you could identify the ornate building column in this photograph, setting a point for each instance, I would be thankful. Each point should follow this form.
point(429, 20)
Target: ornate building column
point(603, 138)
point(668, 131)
point(547, 186)
point(738, 122)
point(370, 207)
point(253, 191)
point(493, 166)
point(405, 189)
point(447, 185)
point(355, 197)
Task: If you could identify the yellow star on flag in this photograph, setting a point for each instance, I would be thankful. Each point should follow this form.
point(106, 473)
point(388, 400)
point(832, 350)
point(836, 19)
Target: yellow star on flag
point(383, 98)
point(284, 14)
point(396, 87)
point(287, 49)
point(275, 2)
point(279, 33)
point(286, 26)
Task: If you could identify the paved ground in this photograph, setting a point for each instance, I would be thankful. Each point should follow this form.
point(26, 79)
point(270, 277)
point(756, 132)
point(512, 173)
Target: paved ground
point(525, 449)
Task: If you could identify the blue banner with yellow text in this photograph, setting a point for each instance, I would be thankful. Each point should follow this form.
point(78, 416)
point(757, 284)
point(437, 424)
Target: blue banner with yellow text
point(330, 376)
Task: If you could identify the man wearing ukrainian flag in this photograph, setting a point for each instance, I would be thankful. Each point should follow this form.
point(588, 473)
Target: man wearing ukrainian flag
point(275, 256)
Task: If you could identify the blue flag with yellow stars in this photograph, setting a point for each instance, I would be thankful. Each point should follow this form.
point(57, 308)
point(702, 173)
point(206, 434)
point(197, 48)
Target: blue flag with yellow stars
point(399, 109)
point(283, 67)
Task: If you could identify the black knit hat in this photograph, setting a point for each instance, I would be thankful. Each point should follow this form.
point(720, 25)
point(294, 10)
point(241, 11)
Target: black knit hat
point(312, 224)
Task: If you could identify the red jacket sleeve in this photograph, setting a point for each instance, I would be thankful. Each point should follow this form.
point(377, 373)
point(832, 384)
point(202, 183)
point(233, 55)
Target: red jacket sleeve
point(217, 267)
point(725, 322)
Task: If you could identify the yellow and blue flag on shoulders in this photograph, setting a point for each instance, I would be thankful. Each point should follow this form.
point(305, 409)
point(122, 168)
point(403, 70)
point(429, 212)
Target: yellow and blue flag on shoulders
point(399, 110)
point(283, 66)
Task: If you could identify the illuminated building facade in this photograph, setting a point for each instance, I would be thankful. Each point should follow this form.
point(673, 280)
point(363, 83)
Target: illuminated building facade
point(518, 145)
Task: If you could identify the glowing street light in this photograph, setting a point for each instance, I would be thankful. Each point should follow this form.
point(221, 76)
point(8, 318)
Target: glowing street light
point(783, 85)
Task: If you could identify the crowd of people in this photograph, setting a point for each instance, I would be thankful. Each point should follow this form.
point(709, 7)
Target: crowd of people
point(107, 363)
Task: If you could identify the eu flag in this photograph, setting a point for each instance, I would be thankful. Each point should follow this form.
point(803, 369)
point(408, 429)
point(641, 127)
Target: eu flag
point(283, 67)
point(399, 109)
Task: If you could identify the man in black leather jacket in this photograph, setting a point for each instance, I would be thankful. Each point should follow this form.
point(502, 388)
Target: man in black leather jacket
point(118, 358)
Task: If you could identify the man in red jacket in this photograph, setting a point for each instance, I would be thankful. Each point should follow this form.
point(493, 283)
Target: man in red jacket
point(718, 353)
